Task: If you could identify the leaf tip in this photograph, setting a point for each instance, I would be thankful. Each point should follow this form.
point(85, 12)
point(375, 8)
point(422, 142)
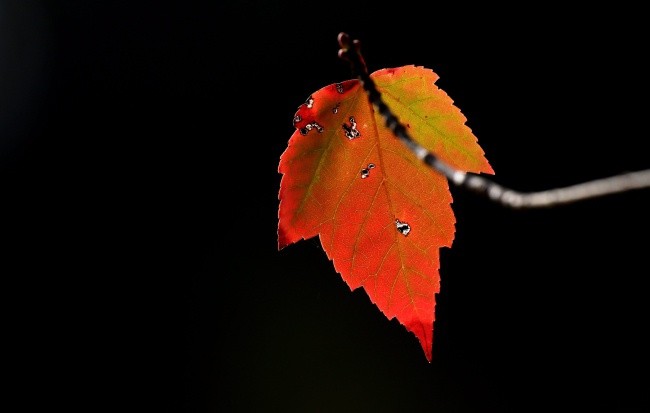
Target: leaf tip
point(428, 351)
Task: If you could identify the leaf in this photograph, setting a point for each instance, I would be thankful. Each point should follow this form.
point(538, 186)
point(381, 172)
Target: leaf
point(381, 214)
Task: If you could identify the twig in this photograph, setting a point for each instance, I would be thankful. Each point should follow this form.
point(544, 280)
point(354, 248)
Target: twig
point(350, 50)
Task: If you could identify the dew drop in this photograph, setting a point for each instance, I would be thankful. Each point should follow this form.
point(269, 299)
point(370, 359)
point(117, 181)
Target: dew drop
point(308, 127)
point(366, 171)
point(339, 87)
point(310, 102)
point(351, 132)
point(335, 109)
point(402, 227)
point(296, 119)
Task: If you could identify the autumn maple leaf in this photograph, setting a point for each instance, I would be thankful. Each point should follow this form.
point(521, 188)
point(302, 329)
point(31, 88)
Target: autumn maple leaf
point(381, 214)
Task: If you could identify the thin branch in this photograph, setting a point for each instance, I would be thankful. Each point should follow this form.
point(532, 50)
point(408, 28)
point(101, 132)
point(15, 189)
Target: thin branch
point(350, 50)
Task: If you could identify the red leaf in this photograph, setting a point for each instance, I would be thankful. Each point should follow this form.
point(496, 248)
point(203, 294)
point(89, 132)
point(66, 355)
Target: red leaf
point(381, 214)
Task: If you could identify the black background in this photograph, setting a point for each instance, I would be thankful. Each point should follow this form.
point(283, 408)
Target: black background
point(139, 144)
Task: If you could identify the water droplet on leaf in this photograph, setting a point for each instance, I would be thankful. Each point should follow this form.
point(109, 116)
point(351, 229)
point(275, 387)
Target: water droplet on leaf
point(351, 132)
point(310, 102)
point(366, 171)
point(339, 87)
point(402, 227)
point(308, 127)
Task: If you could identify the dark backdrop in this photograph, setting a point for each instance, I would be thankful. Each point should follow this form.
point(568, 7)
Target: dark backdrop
point(139, 144)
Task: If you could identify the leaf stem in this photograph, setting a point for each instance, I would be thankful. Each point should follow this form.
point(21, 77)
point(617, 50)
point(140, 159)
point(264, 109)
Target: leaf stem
point(350, 51)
